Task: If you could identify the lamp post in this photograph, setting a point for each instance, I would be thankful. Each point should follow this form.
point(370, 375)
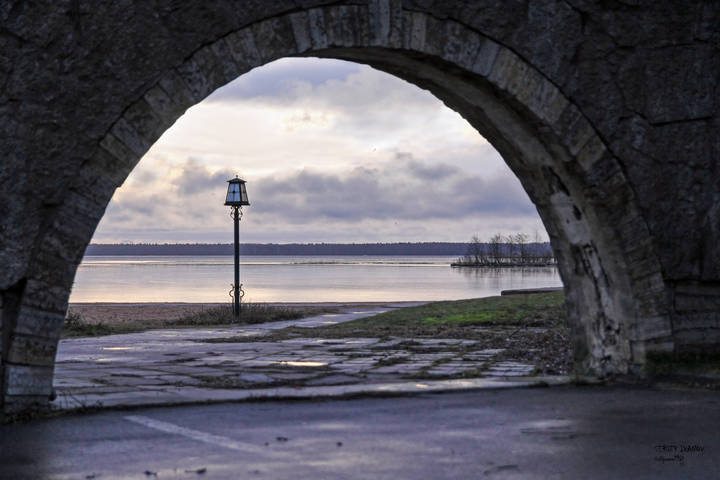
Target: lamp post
point(235, 199)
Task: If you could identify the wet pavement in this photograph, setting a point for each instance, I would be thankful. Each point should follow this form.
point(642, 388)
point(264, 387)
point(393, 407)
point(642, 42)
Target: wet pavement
point(179, 366)
point(540, 433)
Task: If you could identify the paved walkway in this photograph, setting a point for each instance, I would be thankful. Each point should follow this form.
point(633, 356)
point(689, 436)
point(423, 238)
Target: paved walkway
point(180, 366)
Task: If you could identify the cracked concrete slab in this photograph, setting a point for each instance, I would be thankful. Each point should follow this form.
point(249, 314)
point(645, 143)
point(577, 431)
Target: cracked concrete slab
point(175, 366)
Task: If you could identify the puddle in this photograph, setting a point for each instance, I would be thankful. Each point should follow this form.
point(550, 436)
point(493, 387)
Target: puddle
point(304, 364)
point(117, 348)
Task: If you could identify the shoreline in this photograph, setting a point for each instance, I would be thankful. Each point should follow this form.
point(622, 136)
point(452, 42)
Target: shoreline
point(115, 313)
point(119, 313)
point(217, 304)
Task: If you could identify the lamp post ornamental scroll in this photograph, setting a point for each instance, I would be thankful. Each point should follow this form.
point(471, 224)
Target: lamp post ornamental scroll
point(235, 199)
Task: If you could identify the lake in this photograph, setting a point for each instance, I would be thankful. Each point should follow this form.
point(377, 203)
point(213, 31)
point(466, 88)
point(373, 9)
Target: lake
point(207, 279)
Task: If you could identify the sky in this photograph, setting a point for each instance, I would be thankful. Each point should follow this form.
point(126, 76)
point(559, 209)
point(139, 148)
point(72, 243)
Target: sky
point(332, 151)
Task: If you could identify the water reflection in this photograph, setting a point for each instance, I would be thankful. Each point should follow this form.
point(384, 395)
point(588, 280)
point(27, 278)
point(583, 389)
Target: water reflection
point(532, 272)
point(297, 279)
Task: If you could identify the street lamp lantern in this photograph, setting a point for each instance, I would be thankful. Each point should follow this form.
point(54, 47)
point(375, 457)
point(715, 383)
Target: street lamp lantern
point(236, 193)
point(236, 197)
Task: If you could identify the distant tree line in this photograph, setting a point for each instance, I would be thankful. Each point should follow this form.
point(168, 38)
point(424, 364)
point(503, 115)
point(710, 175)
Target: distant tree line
point(404, 248)
point(507, 251)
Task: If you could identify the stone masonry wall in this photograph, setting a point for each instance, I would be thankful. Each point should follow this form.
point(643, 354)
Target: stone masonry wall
point(606, 111)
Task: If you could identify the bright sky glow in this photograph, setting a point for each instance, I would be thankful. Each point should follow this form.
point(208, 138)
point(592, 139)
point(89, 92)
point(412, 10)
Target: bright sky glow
point(332, 152)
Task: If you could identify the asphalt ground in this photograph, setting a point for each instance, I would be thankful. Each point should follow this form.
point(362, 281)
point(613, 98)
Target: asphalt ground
point(560, 433)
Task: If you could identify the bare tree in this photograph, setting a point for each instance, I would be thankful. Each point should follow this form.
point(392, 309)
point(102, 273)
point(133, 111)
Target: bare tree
point(520, 243)
point(495, 248)
point(475, 252)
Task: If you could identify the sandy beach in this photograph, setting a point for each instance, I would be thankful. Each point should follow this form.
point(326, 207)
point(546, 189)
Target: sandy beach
point(120, 313)
point(128, 313)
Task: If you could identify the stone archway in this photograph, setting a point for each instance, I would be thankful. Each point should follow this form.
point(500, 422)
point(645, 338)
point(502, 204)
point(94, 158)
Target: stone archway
point(616, 292)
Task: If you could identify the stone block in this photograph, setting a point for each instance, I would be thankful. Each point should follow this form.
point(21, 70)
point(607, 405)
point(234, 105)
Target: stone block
point(695, 303)
point(648, 280)
point(51, 268)
point(506, 68)
point(142, 117)
point(31, 350)
point(604, 171)
point(641, 348)
point(127, 135)
point(385, 23)
point(646, 272)
point(39, 323)
point(165, 107)
point(573, 129)
point(274, 38)
point(630, 227)
point(23, 403)
point(228, 69)
point(647, 328)
point(591, 153)
point(201, 74)
point(545, 100)
point(318, 32)
point(125, 159)
point(243, 50)
point(80, 212)
point(301, 30)
point(639, 250)
point(47, 297)
point(697, 288)
point(436, 37)
point(486, 57)
point(414, 29)
point(695, 340)
point(461, 45)
point(172, 83)
point(25, 380)
point(346, 26)
point(651, 303)
point(697, 320)
point(95, 184)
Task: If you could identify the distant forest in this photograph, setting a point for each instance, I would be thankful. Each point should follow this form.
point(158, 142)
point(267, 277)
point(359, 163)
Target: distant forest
point(407, 248)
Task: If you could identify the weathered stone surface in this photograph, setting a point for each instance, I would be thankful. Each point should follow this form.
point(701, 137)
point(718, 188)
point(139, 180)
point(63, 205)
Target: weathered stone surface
point(31, 350)
point(607, 112)
point(39, 323)
point(274, 39)
point(28, 380)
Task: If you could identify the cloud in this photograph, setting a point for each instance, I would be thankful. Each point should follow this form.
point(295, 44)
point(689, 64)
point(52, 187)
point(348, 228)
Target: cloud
point(194, 177)
point(332, 151)
point(426, 172)
point(343, 96)
point(279, 80)
point(411, 190)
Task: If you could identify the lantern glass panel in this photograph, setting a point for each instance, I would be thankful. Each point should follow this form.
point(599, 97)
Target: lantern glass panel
point(243, 194)
point(231, 193)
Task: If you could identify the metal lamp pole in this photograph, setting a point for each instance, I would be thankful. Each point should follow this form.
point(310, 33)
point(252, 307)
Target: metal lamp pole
point(235, 199)
point(236, 214)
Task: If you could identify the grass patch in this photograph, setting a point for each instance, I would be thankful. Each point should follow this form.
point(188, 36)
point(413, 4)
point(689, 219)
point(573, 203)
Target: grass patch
point(74, 326)
point(455, 319)
point(251, 313)
point(529, 328)
point(449, 319)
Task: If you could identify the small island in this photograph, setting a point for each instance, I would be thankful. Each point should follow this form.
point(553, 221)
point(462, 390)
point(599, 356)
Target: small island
point(502, 251)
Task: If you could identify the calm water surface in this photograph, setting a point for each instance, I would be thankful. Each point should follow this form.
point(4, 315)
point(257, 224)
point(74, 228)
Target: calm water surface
point(294, 279)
